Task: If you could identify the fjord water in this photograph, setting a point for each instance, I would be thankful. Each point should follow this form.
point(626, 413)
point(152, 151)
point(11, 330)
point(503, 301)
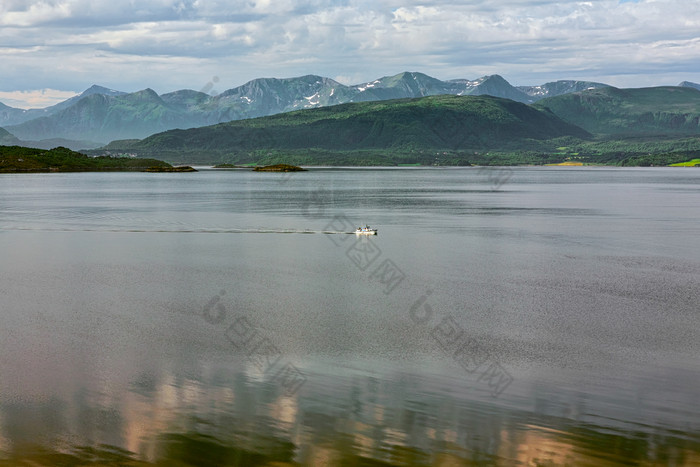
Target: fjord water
point(533, 316)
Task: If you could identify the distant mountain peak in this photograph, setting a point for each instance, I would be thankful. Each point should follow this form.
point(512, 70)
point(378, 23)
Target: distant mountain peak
point(408, 76)
point(315, 78)
point(91, 91)
point(144, 95)
point(688, 84)
point(496, 78)
point(96, 89)
point(414, 75)
point(556, 88)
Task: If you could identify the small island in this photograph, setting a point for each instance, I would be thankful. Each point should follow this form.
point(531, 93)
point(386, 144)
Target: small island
point(182, 168)
point(279, 168)
point(226, 166)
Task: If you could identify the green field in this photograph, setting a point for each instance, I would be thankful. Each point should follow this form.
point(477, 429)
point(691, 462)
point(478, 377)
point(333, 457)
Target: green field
point(692, 163)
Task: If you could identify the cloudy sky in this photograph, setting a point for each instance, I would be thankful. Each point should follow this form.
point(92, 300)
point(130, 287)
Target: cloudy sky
point(53, 49)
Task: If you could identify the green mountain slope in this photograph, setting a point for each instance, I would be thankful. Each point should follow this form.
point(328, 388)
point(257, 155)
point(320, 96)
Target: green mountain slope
point(658, 111)
point(445, 123)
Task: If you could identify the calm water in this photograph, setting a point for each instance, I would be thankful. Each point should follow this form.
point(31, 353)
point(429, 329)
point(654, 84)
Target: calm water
point(544, 316)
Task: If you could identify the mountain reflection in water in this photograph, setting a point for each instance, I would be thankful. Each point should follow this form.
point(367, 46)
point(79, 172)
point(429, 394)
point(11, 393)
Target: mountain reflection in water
point(241, 420)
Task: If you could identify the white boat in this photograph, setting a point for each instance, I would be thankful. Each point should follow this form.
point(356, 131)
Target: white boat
point(366, 230)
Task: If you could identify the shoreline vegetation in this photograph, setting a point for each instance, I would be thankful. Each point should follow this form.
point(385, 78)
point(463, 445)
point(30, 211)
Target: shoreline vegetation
point(19, 159)
point(634, 154)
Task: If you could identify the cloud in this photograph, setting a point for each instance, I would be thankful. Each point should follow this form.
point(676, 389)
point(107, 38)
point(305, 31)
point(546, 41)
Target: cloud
point(174, 44)
point(22, 14)
point(36, 99)
point(415, 14)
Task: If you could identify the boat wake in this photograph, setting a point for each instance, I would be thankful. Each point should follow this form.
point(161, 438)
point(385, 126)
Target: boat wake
point(185, 230)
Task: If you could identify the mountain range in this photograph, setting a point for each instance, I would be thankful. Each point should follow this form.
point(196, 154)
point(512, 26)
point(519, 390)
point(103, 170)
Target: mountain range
point(99, 115)
point(644, 126)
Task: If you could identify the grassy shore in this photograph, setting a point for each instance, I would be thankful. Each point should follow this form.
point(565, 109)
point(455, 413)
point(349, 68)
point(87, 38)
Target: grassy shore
point(18, 159)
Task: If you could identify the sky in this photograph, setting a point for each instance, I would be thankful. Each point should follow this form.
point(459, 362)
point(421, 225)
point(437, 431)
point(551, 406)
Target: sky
point(51, 50)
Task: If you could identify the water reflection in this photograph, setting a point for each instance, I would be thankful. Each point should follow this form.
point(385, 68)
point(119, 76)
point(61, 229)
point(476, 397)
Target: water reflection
point(235, 418)
point(104, 361)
